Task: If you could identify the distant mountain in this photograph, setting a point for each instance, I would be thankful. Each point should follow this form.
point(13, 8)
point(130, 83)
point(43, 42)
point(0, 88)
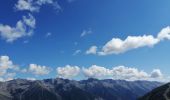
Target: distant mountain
point(160, 93)
point(64, 89)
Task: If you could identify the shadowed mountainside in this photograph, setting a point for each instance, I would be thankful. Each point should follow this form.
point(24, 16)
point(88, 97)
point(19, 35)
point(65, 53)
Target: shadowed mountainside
point(160, 93)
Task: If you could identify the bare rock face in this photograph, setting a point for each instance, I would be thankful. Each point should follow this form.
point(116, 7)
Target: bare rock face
point(64, 89)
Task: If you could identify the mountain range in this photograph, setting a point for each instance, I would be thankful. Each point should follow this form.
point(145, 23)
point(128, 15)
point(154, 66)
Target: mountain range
point(64, 89)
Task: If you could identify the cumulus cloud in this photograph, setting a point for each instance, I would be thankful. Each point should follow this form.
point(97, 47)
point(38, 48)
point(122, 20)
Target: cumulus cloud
point(117, 45)
point(23, 28)
point(118, 72)
point(156, 73)
point(92, 50)
point(26, 5)
point(9, 76)
point(164, 33)
point(8, 71)
point(128, 73)
point(68, 71)
point(38, 69)
point(5, 65)
point(35, 5)
point(96, 72)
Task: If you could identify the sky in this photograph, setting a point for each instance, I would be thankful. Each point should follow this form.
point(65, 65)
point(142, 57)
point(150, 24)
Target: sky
point(80, 39)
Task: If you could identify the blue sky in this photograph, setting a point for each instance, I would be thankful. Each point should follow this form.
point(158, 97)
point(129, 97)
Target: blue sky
point(58, 29)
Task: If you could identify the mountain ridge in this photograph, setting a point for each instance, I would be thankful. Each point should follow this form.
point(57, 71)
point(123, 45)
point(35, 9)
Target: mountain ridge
point(64, 89)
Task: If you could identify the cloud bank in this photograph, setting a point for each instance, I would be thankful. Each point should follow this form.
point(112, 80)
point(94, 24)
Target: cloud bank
point(117, 72)
point(8, 71)
point(121, 72)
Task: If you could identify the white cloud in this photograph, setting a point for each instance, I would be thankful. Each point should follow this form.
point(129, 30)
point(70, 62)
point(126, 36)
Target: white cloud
point(29, 21)
point(96, 72)
point(5, 65)
point(77, 52)
point(8, 71)
point(68, 71)
point(35, 5)
point(86, 32)
point(31, 79)
point(128, 73)
point(57, 7)
point(39, 70)
point(156, 73)
point(164, 33)
point(26, 5)
point(123, 73)
point(9, 76)
point(41, 2)
point(92, 50)
point(23, 28)
point(26, 26)
point(117, 45)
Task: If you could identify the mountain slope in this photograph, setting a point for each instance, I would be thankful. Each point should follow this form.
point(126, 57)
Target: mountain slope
point(63, 89)
point(160, 93)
